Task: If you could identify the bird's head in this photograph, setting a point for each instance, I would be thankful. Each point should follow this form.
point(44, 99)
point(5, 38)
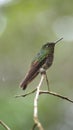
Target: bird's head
point(49, 46)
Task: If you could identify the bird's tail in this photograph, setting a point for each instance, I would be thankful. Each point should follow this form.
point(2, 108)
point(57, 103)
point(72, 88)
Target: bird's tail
point(27, 80)
point(23, 85)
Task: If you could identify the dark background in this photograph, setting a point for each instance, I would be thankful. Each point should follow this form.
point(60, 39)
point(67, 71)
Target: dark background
point(25, 25)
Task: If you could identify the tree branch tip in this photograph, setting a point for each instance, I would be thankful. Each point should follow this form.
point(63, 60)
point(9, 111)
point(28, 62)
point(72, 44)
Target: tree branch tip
point(57, 95)
point(18, 96)
point(4, 125)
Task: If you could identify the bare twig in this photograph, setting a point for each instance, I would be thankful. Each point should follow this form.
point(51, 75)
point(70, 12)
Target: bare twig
point(38, 92)
point(36, 120)
point(24, 95)
point(43, 71)
point(56, 94)
point(4, 125)
point(47, 81)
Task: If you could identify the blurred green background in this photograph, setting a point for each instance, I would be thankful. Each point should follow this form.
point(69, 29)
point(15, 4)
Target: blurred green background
point(25, 25)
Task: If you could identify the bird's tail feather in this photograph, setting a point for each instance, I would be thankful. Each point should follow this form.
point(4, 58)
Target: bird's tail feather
point(23, 85)
point(27, 80)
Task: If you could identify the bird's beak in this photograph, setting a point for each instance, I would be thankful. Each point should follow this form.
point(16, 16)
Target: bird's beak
point(58, 40)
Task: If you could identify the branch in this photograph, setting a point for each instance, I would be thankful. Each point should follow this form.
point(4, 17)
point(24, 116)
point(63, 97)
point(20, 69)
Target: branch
point(38, 92)
point(56, 94)
point(36, 120)
point(24, 95)
point(4, 125)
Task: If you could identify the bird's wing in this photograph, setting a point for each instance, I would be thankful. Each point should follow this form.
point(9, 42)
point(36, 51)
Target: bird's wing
point(39, 57)
point(36, 64)
point(31, 74)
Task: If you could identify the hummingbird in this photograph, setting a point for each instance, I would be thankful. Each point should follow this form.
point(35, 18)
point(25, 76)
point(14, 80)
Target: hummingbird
point(43, 60)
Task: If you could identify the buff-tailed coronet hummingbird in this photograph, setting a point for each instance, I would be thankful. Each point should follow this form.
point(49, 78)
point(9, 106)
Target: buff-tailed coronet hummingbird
point(43, 59)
